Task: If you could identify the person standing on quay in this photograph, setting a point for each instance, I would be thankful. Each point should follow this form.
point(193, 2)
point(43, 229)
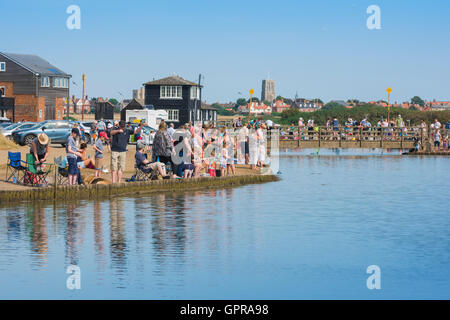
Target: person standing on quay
point(120, 138)
point(72, 154)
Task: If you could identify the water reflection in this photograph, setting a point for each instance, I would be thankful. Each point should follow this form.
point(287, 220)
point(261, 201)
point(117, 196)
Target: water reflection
point(38, 232)
point(330, 212)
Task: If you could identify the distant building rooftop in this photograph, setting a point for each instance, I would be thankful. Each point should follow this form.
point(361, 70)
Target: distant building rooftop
point(35, 64)
point(172, 81)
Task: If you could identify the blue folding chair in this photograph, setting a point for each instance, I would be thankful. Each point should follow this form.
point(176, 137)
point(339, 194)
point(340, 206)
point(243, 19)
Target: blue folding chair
point(15, 172)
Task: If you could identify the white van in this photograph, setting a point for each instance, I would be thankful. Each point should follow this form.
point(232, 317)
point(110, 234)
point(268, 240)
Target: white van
point(151, 117)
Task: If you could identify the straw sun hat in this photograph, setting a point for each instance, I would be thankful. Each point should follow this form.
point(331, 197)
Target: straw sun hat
point(43, 139)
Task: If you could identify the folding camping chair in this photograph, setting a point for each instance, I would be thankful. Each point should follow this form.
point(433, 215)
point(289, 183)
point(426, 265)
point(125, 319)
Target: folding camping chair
point(144, 175)
point(33, 176)
point(62, 176)
point(14, 169)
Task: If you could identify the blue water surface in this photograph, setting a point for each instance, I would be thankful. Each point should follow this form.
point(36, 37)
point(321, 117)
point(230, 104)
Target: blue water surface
point(311, 235)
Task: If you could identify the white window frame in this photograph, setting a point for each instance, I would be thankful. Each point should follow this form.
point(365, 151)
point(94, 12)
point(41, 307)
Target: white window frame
point(2, 66)
point(4, 91)
point(60, 82)
point(173, 115)
point(40, 113)
point(45, 81)
point(195, 93)
point(171, 92)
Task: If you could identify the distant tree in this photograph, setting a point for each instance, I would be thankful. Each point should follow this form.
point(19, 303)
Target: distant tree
point(241, 102)
point(254, 99)
point(114, 101)
point(280, 98)
point(332, 105)
point(267, 103)
point(418, 100)
point(288, 101)
point(353, 101)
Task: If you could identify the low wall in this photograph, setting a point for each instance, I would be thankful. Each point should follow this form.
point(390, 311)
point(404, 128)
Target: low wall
point(129, 188)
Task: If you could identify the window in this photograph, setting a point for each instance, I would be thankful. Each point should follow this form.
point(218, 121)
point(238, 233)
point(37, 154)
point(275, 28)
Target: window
point(60, 82)
point(2, 66)
point(40, 113)
point(63, 125)
point(45, 82)
point(173, 115)
point(2, 91)
point(171, 92)
point(49, 125)
point(195, 93)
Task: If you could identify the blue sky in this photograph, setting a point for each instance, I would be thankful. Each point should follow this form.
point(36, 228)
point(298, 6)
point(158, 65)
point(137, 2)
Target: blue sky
point(320, 49)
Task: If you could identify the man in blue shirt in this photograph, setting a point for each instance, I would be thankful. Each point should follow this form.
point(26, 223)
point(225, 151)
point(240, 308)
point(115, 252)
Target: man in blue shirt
point(120, 137)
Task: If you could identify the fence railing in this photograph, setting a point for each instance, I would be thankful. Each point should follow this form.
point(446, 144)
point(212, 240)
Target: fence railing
point(320, 133)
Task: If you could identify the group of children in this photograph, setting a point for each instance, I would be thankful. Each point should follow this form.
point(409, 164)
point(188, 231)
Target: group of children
point(77, 158)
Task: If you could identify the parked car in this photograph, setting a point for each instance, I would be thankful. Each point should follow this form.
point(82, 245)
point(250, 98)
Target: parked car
point(86, 135)
point(5, 124)
point(4, 119)
point(135, 126)
point(7, 131)
point(57, 130)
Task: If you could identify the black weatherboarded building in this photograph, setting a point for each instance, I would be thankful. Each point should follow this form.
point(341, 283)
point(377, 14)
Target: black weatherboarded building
point(180, 98)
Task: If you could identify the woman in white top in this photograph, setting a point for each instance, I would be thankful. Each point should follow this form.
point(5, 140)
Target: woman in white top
point(261, 145)
point(253, 148)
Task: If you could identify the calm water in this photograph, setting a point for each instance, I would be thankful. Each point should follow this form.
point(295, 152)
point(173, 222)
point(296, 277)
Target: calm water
point(311, 235)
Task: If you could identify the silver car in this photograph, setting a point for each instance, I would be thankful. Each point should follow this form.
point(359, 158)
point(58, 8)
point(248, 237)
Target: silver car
point(8, 131)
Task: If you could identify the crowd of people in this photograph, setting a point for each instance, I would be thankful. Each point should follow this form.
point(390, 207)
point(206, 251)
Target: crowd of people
point(202, 150)
point(355, 130)
point(185, 152)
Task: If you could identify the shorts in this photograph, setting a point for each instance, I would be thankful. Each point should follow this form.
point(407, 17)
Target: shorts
point(98, 163)
point(73, 168)
point(81, 165)
point(153, 166)
point(437, 144)
point(118, 161)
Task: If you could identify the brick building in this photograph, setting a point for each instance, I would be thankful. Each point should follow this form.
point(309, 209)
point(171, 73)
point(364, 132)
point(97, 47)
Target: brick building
point(38, 87)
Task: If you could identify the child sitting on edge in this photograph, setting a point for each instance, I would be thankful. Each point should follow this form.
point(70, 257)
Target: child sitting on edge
point(83, 161)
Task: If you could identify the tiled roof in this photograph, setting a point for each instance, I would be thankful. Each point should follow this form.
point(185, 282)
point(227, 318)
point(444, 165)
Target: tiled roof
point(35, 64)
point(172, 81)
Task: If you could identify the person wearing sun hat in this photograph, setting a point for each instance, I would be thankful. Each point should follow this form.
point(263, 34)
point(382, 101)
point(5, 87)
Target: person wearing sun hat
point(40, 148)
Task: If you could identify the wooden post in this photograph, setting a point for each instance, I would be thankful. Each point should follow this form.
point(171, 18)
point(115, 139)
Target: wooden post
point(320, 129)
point(82, 99)
point(402, 136)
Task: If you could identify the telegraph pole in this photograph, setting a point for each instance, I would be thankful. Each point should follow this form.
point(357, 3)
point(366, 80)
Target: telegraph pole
point(198, 98)
point(82, 106)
